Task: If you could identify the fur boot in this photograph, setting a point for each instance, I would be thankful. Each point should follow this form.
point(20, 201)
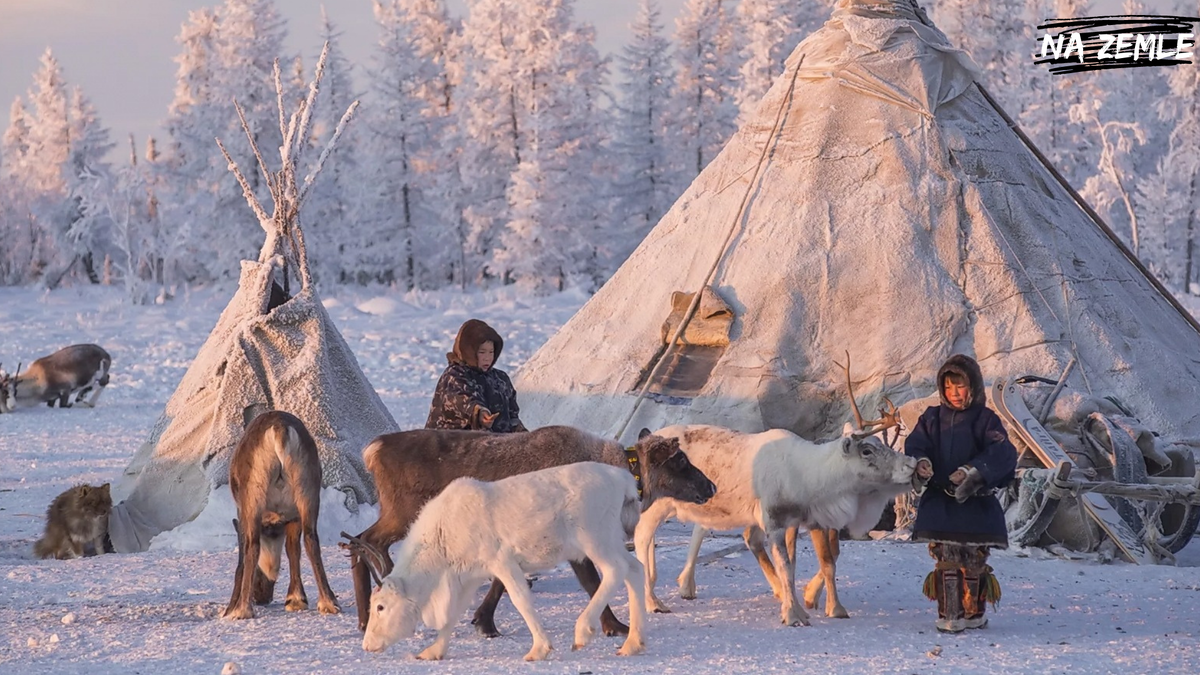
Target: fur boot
point(979, 588)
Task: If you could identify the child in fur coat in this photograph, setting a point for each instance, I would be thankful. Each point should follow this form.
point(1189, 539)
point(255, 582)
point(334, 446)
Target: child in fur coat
point(472, 393)
point(964, 451)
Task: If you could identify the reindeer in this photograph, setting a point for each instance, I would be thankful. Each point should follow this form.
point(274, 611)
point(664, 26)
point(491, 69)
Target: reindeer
point(774, 483)
point(275, 477)
point(412, 467)
point(529, 522)
point(76, 370)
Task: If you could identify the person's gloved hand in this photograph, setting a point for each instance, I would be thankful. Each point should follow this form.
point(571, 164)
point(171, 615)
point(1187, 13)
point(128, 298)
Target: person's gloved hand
point(969, 483)
point(924, 469)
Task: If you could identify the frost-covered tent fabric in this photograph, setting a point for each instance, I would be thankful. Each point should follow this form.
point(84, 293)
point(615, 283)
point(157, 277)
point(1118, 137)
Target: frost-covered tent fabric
point(895, 215)
point(258, 358)
point(289, 358)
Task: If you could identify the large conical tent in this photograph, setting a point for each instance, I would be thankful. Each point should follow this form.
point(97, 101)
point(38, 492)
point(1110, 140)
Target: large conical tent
point(876, 202)
point(267, 352)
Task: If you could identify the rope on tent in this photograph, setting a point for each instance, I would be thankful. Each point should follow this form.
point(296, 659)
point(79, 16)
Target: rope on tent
point(691, 310)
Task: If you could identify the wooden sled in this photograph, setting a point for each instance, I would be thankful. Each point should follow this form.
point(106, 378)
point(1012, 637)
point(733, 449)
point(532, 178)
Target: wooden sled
point(1011, 407)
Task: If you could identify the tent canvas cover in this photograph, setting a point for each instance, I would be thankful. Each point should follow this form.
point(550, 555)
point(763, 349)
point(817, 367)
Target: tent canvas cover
point(267, 352)
point(894, 213)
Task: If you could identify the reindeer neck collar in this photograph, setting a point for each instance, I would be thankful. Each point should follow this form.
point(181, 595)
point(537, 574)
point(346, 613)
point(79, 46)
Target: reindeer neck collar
point(635, 466)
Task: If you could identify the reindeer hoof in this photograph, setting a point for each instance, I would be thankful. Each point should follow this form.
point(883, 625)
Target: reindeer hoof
point(583, 636)
point(326, 607)
point(631, 647)
point(613, 628)
point(538, 653)
point(238, 613)
point(838, 612)
point(295, 604)
point(795, 619)
point(431, 654)
point(485, 627)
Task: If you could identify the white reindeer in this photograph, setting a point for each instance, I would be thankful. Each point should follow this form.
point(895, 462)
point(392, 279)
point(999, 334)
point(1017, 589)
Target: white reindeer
point(474, 530)
point(775, 482)
point(77, 370)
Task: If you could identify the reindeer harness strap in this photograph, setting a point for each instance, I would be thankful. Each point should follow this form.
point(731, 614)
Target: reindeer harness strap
point(635, 467)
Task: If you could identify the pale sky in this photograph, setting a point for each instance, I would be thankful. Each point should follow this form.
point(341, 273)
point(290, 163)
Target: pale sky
point(121, 51)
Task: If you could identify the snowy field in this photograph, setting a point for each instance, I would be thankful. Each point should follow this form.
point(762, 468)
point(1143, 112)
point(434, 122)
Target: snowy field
point(155, 612)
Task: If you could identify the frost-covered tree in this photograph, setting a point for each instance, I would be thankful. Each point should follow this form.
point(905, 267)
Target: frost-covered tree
point(553, 242)
point(89, 143)
point(706, 98)
point(645, 140)
point(15, 143)
point(191, 168)
point(45, 169)
point(227, 54)
point(121, 203)
point(1110, 185)
point(50, 145)
point(397, 205)
point(49, 137)
point(18, 239)
point(410, 232)
point(441, 247)
point(771, 30)
point(250, 36)
point(490, 119)
point(434, 39)
point(1169, 198)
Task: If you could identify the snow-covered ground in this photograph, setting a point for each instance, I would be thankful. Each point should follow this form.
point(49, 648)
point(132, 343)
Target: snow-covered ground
point(155, 612)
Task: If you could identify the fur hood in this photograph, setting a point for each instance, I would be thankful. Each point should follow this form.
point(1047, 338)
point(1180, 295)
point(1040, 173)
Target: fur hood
point(471, 334)
point(966, 367)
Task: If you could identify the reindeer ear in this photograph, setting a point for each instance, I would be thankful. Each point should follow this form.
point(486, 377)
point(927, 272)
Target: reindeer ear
point(643, 433)
point(84, 490)
point(847, 429)
point(847, 445)
point(658, 452)
point(105, 489)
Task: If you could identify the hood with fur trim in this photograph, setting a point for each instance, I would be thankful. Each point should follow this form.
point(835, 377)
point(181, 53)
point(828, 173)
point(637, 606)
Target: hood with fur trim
point(471, 334)
point(968, 368)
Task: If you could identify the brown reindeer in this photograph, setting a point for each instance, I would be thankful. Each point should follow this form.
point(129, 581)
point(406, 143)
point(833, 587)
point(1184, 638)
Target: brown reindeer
point(275, 477)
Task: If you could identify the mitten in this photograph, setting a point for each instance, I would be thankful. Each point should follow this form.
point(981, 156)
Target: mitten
point(970, 486)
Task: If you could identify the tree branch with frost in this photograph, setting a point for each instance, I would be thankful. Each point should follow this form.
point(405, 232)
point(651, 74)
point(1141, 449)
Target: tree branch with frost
point(1115, 137)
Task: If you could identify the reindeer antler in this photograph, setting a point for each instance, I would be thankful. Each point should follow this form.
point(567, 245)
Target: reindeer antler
point(376, 561)
point(888, 418)
point(858, 418)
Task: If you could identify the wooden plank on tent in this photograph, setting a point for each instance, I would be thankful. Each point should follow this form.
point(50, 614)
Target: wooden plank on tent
point(1012, 408)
